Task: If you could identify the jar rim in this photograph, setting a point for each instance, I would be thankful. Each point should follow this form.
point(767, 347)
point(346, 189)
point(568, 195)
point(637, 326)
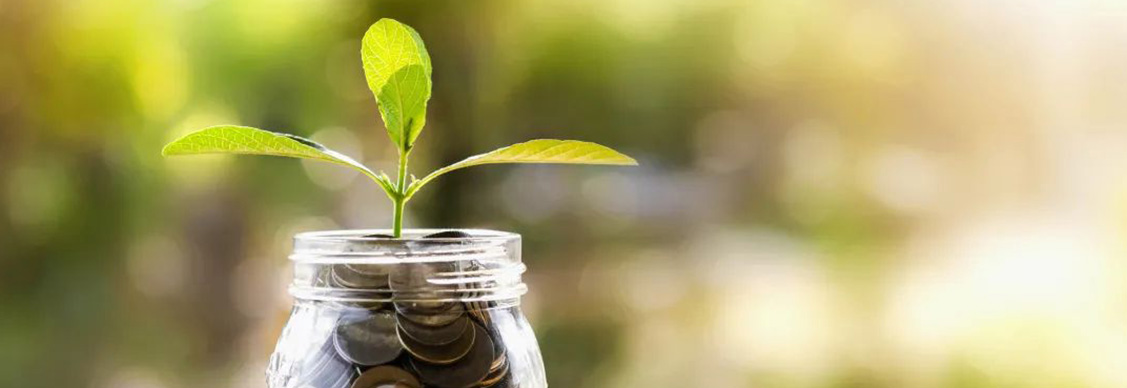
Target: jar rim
point(352, 265)
point(368, 236)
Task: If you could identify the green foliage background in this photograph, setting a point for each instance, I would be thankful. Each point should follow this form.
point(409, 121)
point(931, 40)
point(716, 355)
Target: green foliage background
point(832, 194)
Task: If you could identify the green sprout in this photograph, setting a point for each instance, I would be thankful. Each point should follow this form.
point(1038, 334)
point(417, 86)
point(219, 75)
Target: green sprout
point(398, 70)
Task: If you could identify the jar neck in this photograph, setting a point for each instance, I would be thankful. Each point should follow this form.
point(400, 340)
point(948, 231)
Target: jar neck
point(363, 266)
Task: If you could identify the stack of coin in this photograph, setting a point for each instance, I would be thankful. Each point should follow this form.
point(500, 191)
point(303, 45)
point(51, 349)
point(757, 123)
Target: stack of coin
point(401, 347)
point(425, 341)
point(476, 357)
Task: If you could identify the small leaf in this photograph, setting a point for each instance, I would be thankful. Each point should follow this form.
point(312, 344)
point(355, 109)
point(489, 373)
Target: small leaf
point(385, 182)
point(537, 151)
point(233, 139)
point(398, 69)
point(403, 105)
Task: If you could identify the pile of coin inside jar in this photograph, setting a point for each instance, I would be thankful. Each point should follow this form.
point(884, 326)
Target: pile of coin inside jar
point(405, 344)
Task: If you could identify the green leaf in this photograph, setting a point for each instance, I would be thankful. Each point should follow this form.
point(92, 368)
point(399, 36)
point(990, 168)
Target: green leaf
point(233, 139)
point(398, 69)
point(403, 105)
point(537, 151)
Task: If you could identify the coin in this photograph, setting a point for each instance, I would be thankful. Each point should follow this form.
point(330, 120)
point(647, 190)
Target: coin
point(430, 306)
point(370, 269)
point(360, 304)
point(427, 316)
point(480, 310)
point(466, 372)
point(367, 339)
point(499, 368)
point(434, 335)
point(411, 281)
point(498, 343)
point(505, 382)
point(439, 246)
point(386, 376)
point(415, 276)
point(440, 239)
point(448, 234)
point(495, 374)
point(359, 276)
point(442, 354)
point(499, 359)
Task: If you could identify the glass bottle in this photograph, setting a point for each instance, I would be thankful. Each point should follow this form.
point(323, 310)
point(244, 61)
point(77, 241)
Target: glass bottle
point(433, 309)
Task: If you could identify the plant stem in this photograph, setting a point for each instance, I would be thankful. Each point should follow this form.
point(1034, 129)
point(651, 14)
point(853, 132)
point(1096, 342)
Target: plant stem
point(400, 197)
point(397, 223)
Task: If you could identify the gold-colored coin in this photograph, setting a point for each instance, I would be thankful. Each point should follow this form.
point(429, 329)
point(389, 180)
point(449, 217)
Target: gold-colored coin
point(495, 375)
point(499, 361)
point(480, 310)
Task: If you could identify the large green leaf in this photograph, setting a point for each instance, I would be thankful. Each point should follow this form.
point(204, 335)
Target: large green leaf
point(398, 69)
point(388, 46)
point(233, 139)
point(537, 151)
point(403, 105)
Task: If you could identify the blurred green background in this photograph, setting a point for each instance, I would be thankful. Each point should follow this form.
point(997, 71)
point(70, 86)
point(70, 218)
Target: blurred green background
point(832, 193)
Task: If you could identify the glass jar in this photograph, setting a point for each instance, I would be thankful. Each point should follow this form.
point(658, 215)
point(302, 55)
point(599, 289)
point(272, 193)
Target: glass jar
point(433, 309)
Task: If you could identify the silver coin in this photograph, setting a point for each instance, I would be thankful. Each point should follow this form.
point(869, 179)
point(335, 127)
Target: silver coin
point(428, 316)
point(423, 301)
point(386, 376)
point(348, 276)
point(434, 335)
point(368, 338)
point(467, 372)
point(440, 354)
point(370, 269)
point(447, 235)
point(440, 241)
point(417, 276)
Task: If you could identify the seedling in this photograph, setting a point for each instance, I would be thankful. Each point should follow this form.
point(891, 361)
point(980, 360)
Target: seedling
point(398, 70)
